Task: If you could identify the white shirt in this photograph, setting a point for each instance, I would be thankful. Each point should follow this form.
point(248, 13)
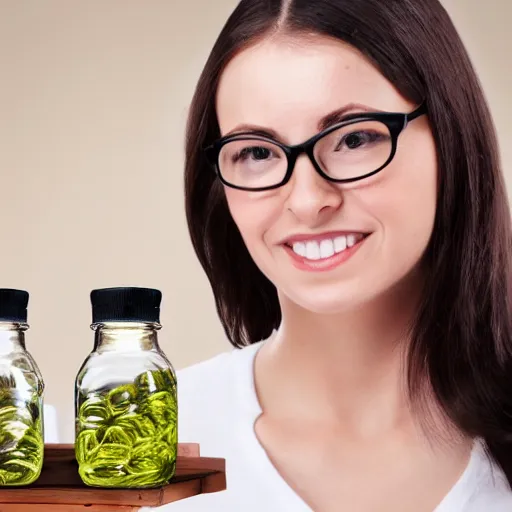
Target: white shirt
point(218, 407)
point(51, 431)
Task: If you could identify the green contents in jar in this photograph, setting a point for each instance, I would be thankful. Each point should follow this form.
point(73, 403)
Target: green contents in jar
point(127, 435)
point(21, 438)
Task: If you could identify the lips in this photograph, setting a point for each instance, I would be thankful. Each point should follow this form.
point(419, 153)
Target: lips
point(323, 246)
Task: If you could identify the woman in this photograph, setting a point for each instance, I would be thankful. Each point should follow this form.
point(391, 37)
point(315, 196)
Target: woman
point(344, 197)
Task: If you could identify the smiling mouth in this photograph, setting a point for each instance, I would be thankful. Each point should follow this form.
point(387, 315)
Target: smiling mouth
point(325, 248)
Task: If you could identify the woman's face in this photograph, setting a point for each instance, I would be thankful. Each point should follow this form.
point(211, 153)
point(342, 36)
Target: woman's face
point(327, 247)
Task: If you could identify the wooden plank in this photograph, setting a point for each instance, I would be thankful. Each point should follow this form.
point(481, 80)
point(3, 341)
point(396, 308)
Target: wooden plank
point(187, 489)
point(13, 507)
point(65, 474)
point(106, 497)
point(215, 482)
point(60, 485)
point(188, 450)
point(82, 496)
point(60, 467)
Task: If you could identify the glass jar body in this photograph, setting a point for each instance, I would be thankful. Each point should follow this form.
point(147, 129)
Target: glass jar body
point(126, 410)
point(21, 409)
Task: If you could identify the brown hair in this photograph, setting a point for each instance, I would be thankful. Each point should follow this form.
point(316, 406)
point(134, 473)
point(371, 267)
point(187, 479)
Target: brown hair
point(461, 341)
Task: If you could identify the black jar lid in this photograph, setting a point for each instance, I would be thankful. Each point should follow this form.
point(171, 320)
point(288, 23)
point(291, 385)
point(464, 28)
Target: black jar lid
point(13, 305)
point(126, 304)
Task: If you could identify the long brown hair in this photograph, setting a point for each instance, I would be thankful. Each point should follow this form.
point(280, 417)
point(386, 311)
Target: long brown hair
point(462, 338)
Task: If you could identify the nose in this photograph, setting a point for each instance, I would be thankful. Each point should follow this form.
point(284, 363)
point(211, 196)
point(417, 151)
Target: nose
point(311, 198)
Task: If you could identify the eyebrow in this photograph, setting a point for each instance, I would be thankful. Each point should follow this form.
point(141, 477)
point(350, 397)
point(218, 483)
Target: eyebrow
point(334, 117)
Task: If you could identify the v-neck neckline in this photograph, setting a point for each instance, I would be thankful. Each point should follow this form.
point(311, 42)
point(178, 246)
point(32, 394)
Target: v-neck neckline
point(248, 402)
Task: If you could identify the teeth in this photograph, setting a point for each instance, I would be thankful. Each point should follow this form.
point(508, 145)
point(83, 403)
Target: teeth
point(340, 243)
point(326, 248)
point(299, 248)
point(316, 250)
point(312, 251)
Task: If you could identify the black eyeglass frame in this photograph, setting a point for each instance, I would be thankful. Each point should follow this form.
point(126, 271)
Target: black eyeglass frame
point(396, 123)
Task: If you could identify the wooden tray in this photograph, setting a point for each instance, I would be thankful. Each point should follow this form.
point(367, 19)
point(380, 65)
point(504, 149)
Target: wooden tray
point(60, 489)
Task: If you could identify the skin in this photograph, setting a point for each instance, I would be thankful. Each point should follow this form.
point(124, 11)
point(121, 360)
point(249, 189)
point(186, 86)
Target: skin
point(336, 420)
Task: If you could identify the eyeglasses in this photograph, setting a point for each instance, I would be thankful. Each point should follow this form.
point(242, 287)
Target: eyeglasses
point(358, 147)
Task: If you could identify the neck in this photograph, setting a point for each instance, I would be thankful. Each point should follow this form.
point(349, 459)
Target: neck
point(347, 368)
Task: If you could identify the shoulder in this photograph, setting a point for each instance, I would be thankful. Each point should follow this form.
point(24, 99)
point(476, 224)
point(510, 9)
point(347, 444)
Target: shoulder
point(201, 376)
point(491, 491)
point(492, 501)
point(209, 393)
point(214, 374)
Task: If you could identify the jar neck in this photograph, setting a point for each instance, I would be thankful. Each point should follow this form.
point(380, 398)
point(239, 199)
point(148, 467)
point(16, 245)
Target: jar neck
point(125, 336)
point(12, 336)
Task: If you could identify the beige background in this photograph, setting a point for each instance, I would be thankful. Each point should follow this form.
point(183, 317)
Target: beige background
point(93, 100)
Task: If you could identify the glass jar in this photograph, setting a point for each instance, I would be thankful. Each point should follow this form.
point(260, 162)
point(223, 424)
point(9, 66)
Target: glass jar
point(21, 396)
point(125, 395)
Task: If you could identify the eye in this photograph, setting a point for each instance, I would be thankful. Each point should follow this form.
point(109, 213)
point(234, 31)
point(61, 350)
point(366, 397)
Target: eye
point(355, 140)
point(256, 152)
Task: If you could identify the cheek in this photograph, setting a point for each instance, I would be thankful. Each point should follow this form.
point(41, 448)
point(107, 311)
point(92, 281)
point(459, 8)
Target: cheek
point(404, 204)
point(254, 214)
point(416, 190)
point(413, 207)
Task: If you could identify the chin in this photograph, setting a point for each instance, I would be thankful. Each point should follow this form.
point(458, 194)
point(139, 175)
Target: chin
point(355, 295)
point(330, 302)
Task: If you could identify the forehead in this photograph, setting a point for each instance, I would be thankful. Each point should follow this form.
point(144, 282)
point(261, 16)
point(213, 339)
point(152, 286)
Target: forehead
point(289, 84)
